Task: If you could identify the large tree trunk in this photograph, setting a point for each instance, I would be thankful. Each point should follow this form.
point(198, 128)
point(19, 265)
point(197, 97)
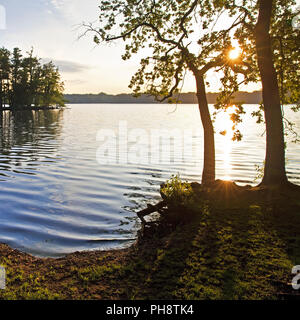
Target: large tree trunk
point(208, 176)
point(274, 173)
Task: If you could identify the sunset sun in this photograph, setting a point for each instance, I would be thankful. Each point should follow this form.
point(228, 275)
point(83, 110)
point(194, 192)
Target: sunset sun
point(235, 53)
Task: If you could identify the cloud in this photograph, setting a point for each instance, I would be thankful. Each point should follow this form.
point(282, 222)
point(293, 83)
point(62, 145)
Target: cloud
point(75, 11)
point(68, 66)
point(57, 3)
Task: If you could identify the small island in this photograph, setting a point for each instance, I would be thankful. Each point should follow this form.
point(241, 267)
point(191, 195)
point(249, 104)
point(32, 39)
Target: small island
point(27, 84)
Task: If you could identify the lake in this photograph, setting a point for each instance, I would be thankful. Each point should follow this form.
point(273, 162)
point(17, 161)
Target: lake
point(67, 182)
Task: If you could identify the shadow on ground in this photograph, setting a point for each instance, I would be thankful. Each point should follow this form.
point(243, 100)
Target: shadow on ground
point(232, 249)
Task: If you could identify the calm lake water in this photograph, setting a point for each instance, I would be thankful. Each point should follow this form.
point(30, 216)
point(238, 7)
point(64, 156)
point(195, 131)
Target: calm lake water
point(61, 192)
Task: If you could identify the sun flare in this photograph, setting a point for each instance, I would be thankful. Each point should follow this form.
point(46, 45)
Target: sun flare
point(235, 53)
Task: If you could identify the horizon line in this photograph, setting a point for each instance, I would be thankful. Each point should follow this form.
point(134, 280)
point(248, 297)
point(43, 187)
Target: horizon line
point(123, 93)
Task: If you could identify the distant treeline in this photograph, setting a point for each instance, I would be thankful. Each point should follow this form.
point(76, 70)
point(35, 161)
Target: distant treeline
point(25, 82)
point(189, 98)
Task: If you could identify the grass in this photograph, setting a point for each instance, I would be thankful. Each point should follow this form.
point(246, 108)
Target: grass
point(230, 248)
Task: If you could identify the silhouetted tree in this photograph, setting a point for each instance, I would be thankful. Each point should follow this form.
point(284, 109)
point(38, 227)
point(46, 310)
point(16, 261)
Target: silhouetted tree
point(275, 43)
point(50, 87)
point(274, 172)
point(4, 75)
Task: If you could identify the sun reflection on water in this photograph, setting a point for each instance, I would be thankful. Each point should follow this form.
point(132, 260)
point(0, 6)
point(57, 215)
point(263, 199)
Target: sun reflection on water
point(224, 126)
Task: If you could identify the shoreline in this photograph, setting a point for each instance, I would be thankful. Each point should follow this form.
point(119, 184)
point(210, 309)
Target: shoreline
point(28, 271)
point(240, 246)
point(6, 249)
point(42, 276)
point(31, 108)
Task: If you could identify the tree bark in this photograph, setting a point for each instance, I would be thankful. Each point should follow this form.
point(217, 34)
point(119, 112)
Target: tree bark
point(274, 172)
point(208, 175)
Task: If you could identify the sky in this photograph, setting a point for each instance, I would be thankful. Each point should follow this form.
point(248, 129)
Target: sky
point(52, 28)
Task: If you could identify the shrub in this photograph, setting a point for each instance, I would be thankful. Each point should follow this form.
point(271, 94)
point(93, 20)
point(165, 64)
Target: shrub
point(181, 199)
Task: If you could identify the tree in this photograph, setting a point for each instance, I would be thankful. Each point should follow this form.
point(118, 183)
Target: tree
point(274, 172)
point(177, 39)
point(30, 78)
point(268, 25)
point(4, 75)
point(16, 93)
point(51, 89)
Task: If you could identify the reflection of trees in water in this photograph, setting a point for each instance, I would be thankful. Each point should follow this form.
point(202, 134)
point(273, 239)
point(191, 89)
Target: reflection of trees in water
point(25, 136)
